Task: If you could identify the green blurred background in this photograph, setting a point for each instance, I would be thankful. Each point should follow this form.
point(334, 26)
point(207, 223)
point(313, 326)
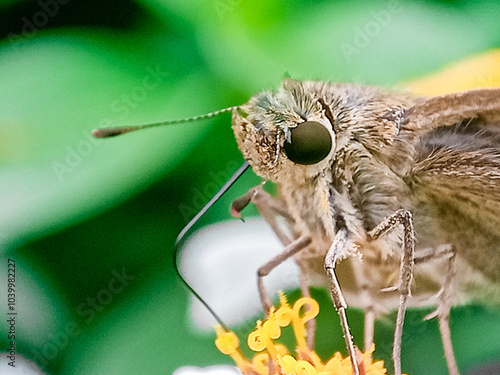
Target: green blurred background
point(75, 211)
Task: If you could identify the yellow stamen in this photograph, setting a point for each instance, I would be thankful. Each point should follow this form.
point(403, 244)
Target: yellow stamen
point(228, 343)
point(273, 358)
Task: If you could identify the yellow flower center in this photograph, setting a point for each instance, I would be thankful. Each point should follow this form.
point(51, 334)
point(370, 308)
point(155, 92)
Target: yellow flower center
point(274, 358)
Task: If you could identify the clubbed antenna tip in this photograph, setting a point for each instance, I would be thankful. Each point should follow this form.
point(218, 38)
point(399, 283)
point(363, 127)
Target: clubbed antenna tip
point(113, 132)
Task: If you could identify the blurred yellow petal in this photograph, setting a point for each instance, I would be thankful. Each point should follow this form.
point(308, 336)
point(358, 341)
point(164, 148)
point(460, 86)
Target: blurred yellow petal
point(482, 70)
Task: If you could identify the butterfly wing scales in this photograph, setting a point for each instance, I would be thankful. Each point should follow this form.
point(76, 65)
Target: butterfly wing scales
point(456, 175)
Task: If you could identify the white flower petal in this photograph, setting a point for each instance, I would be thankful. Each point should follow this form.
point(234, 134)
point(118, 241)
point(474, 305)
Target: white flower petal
point(220, 262)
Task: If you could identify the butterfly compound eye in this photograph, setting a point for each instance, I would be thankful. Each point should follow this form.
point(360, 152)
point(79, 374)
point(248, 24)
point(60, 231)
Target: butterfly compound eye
point(310, 142)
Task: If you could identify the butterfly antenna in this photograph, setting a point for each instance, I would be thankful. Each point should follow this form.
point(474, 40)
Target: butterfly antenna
point(112, 132)
point(191, 223)
point(119, 130)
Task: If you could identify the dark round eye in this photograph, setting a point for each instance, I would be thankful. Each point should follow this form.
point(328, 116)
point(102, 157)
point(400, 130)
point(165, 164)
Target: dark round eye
point(310, 142)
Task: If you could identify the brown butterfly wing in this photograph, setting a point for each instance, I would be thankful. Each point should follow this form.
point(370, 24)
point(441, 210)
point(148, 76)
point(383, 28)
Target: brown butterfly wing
point(455, 181)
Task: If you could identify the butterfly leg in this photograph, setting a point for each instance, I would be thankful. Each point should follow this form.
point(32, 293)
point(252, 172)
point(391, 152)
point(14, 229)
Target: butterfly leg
point(369, 326)
point(304, 290)
point(360, 269)
point(336, 249)
point(400, 218)
point(290, 250)
point(269, 208)
point(445, 301)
